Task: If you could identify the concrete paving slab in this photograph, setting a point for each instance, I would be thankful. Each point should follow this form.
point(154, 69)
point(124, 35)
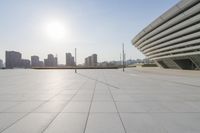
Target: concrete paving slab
point(104, 123)
point(102, 97)
point(8, 119)
point(6, 105)
point(24, 107)
point(68, 123)
point(32, 123)
point(124, 107)
point(141, 123)
point(99, 101)
point(179, 122)
point(80, 106)
point(51, 107)
point(103, 107)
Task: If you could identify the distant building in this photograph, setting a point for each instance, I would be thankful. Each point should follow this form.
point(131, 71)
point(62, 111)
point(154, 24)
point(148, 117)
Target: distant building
point(13, 59)
point(35, 62)
point(69, 60)
point(91, 60)
point(109, 64)
point(94, 60)
point(24, 63)
point(51, 61)
point(41, 64)
point(1, 63)
point(88, 61)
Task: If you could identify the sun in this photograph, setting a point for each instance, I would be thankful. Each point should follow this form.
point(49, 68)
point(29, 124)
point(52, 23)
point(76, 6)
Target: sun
point(56, 30)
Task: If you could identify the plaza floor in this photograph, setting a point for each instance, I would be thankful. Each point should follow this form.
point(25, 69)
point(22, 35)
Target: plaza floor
point(99, 101)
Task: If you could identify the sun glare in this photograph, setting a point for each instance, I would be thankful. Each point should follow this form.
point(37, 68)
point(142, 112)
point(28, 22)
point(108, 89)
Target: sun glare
point(56, 31)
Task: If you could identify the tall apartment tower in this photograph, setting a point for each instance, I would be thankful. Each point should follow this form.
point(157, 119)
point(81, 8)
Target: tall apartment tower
point(35, 62)
point(51, 61)
point(91, 60)
point(94, 60)
point(25, 63)
point(69, 60)
point(1, 63)
point(13, 59)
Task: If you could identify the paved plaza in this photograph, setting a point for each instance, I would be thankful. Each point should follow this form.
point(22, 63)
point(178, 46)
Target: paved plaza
point(99, 101)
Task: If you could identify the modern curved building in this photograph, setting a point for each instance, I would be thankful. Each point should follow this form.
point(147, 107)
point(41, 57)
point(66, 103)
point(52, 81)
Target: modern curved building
point(173, 39)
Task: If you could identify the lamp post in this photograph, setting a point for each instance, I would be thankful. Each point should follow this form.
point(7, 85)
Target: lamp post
point(75, 62)
point(123, 56)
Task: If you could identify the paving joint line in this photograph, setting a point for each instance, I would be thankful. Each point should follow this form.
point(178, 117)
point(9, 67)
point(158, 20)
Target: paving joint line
point(115, 104)
point(58, 113)
point(99, 81)
point(88, 114)
point(26, 114)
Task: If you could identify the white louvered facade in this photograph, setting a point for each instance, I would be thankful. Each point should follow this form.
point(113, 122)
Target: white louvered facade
point(173, 39)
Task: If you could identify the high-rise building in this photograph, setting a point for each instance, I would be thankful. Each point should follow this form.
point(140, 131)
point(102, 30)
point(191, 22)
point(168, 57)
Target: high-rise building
point(25, 63)
point(35, 62)
point(14, 60)
point(69, 60)
point(91, 60)
point(88, 61)
point(51, 61)
point(1, 63)
point(94, 60)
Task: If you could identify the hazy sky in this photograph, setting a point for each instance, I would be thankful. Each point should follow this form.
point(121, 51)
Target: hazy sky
point(39, 27)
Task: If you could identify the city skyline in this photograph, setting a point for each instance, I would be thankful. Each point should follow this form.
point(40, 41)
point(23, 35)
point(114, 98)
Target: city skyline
point(90, 26)
point(13, 59)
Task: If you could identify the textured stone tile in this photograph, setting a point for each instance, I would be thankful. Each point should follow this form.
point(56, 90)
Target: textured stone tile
point(62, 97)
point(103, 107)
point(51, 106)
point(82, 97)
point(122, 97)
point(24, 107)
point(141, 123)
point(6, 105)
point(130, 107)
point(7, 119)
point(68, 123)
point(77, 107)
point(180, 107)
point(179, 122)
point(33, 123)
point(104, 123)
point(155, 107)
point(102, 97)
point(153, 101)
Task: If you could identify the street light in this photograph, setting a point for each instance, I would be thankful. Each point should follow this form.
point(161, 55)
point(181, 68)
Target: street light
point(75, 61)
point(123, 56)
